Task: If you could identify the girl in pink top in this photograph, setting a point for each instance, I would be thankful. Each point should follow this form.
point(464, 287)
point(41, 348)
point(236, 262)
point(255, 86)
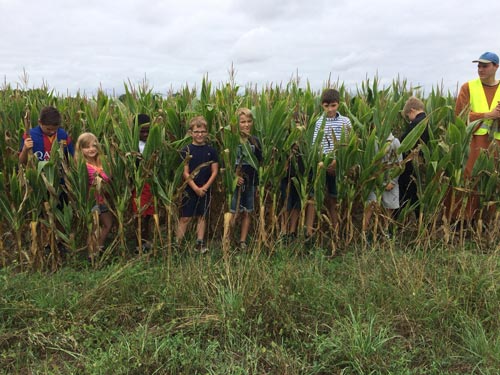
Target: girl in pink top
point(89, 149)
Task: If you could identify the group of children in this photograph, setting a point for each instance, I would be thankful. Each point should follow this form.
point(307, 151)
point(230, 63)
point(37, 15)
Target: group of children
point(201, 167)
point(39, 141)
point(398, 191)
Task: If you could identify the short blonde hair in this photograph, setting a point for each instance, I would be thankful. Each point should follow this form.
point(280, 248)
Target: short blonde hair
point(198, 122)
point(413, 103)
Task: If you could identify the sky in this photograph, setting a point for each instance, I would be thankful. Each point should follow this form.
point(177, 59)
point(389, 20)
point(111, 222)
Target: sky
point(85, 45)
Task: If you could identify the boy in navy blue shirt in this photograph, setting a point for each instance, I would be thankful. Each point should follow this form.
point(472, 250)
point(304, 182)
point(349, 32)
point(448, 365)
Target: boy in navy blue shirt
point(200, 170)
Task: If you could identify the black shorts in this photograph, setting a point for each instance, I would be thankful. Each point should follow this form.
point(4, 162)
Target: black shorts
point(331, 185)
point(193, 205)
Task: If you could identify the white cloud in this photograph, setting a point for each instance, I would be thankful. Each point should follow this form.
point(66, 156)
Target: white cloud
point(256, 45)
point(74, 45)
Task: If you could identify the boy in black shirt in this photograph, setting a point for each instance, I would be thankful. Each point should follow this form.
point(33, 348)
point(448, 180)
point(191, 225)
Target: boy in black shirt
point(248, 176)
point(200, 172)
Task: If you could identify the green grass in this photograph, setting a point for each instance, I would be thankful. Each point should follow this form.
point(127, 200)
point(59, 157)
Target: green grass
point(385, 310)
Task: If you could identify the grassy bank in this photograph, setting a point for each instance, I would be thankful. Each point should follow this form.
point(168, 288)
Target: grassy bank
point(385, 310)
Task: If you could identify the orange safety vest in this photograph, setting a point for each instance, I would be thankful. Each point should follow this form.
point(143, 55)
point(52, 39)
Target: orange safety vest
point(478, 103)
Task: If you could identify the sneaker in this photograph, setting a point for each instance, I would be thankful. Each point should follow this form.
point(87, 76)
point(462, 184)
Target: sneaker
point(387, 236)
point(146, 247)
point(201, 247)
point(63, 251)
point(47, 251)
point(243, 245)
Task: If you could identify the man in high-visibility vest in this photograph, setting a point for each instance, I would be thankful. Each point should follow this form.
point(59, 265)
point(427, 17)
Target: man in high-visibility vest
point(481, 99)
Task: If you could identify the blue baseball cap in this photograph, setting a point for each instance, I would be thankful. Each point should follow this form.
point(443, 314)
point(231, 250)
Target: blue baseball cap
point(487, 57)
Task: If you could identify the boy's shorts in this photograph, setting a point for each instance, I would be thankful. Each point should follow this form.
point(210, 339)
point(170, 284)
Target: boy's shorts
point(246, 196)
point(390, 199)
point(193, 205)
point(331, 185)
point(291, 196)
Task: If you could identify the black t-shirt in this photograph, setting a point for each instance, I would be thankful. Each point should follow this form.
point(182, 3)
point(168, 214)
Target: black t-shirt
point(249, 173)
point(200, 154)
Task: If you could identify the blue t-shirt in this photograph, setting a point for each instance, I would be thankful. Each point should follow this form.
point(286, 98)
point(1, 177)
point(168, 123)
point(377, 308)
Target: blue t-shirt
point(42, 143)
point(200, 154)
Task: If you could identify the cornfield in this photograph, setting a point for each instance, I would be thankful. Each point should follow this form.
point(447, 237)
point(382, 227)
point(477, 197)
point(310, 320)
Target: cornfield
point(32, 225)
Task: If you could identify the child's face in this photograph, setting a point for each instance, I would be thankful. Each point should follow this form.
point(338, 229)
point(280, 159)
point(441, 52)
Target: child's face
point(199, 134)
point(90, 151)
point(411, 115)
point(330, 109)
point(49, 130)
point(143, 133)
point(246, 124)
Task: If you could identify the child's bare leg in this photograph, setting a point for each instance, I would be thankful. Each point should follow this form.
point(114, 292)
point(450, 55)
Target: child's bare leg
point(245, 226)
point(232, 221)
point(367, 216)
point(200, 228)
point(388, 219)
point(105, 222)
point(310, 213)
point(332, 211)
point(294, 220)
point(181, 229)
point(284, 222)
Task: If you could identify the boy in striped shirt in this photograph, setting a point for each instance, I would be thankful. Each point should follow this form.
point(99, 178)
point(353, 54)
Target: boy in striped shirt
point(333, 125)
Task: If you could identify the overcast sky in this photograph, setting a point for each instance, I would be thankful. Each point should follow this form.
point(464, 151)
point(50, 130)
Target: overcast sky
point(82, 45)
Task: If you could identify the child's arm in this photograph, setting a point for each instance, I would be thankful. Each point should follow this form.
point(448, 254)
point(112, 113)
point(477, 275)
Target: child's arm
point(215, 170)
point(390, 185)
point(186, 173)
point(396, 165)
point(27, 146)
point(332, 167)
point(187, 177)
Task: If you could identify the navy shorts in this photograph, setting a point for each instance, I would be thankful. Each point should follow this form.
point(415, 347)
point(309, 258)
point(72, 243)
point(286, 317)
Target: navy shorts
point(331, 185)
point(193, 205)
point(246, 196)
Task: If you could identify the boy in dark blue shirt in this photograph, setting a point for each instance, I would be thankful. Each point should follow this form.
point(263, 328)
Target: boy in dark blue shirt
point(200, 172)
